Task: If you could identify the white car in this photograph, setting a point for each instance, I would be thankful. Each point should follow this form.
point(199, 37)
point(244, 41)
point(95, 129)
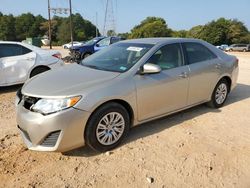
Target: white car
point(21, 61)
point(69, 45)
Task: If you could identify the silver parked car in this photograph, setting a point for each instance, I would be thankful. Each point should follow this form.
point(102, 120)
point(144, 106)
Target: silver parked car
point(238, 47)
point(131, 82)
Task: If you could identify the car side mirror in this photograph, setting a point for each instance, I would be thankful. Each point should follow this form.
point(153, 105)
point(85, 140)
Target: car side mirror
point(97, 45)
point(150, 68)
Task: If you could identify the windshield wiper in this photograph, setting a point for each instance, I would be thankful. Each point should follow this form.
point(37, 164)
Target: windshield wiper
point(99, 68)
point(94, 67)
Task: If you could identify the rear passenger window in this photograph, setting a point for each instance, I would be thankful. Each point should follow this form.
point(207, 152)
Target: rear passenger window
point(198, 53)
point(8, 50)
point(25, 50)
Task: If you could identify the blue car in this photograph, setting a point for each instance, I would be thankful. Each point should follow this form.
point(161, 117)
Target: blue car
point(92, 46)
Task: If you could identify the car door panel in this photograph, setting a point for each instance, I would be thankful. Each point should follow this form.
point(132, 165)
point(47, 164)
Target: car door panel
point(166, 91)
point(203, 78)
point(205, 69)
point(16, 68)
point(161, 93)
point(2, 78)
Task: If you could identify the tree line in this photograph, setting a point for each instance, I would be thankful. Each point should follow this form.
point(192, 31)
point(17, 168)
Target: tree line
point(217, 32)
point(17, 28)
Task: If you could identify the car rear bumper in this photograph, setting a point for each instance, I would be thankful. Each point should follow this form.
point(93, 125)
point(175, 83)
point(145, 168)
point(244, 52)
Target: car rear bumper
point(61, 131)
point(57, 64)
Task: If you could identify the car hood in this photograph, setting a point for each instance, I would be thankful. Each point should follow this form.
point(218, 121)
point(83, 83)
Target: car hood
point(69, 80)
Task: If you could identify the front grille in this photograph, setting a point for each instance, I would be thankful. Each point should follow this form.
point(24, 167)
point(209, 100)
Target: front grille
point(51, 139)
point(26, 135)
point(28, 102)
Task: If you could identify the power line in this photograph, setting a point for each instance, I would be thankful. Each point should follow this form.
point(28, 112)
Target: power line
point(109, 19)
point(60, 10)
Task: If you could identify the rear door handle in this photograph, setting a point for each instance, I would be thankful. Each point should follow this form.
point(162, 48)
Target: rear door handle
point(183, 75)
point(30, 58)
point(218, 66)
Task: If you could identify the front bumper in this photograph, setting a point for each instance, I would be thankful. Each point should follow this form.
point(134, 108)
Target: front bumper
point(61, 131)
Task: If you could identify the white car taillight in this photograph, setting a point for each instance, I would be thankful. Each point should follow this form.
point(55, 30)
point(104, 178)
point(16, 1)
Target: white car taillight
point(58, 55)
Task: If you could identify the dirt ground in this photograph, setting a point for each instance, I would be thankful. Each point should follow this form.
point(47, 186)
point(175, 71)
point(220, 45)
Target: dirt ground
point(200, 147)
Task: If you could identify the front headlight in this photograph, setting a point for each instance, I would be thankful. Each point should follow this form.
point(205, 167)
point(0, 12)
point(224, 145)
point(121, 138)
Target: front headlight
point(48, 106)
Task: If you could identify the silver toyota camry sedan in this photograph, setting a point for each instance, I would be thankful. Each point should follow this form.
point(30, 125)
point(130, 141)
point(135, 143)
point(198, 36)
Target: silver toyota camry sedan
point(96, 102)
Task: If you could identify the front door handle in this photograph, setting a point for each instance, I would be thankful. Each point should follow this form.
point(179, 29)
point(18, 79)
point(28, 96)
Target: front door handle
point(183, 75)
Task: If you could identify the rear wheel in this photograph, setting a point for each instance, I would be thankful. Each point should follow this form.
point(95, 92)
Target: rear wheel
point(220, 94)
point(38, 70)
point(244, 50)
point(107, 127)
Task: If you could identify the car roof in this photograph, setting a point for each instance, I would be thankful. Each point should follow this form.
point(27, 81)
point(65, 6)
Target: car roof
point(10, 42)
point(160, 40)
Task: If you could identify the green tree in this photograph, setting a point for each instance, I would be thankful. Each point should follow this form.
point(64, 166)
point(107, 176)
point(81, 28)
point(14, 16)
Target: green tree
point(195, 32)
point(28, 25)
point(82, 29)
point(63, 33)
point(7, 28)
point(223, 31)
point(123, 35)
point(111, 33)
point(151, 27)
point(237, 32)
point(180, 34)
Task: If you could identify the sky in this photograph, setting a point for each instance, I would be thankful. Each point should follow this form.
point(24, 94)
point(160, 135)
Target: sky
point(179, 14)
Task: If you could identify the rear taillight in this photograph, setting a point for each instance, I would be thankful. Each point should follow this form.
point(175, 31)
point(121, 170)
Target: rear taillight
point(58, 55)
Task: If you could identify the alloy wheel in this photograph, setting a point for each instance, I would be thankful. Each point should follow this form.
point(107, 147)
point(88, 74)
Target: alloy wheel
point(110, 128)
point(221, 93)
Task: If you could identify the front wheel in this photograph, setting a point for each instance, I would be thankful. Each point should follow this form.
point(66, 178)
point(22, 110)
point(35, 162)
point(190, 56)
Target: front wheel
point(220, 94)
point(107, 127)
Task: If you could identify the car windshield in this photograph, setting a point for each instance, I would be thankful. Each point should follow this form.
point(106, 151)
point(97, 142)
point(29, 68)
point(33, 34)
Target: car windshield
point(92, 41)
point(118, 57)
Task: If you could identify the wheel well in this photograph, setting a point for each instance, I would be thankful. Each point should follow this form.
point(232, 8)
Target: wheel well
point(229, 81)
point(39, 67)
point(86, 53)
point(124, 104)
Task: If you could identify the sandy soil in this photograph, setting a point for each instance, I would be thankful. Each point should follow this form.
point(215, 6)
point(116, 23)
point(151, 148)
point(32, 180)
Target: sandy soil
point(200, 147)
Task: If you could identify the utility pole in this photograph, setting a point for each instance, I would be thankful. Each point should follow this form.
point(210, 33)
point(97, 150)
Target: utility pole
point(50, 42)
point(60, 11)
point(96, 20)
point(71, 27)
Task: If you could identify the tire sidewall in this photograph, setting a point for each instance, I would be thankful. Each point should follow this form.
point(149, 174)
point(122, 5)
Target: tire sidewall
point(90, 130)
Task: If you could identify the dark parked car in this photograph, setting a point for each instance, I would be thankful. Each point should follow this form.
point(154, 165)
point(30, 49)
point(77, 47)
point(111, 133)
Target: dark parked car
point(92, 46)
point(239, 47)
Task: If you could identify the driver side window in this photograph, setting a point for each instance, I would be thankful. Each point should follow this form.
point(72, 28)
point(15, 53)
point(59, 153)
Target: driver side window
point(167, 57)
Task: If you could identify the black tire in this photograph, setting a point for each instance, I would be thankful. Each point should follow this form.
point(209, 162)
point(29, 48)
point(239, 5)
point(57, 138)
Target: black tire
point(244, 50)
point(90, 134)
point(83, 56)
point(38, 70)
point(213, 102)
